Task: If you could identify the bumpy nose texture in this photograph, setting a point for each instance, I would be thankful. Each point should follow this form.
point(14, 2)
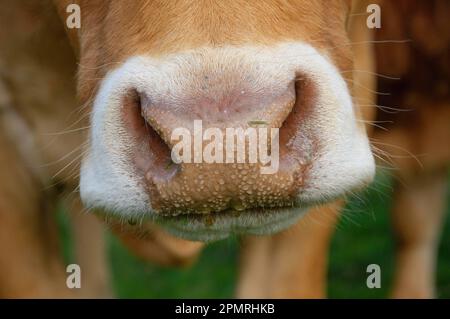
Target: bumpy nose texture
point(202, 186)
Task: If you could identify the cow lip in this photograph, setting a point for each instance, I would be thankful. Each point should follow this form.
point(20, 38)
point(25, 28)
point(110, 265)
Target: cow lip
point(234, 208)
point(211, 227)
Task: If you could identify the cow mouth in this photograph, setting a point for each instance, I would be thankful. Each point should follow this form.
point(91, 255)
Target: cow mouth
point(210, 227)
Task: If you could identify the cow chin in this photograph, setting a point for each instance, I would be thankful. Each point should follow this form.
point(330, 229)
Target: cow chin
point(335, 156)
point(213, 227)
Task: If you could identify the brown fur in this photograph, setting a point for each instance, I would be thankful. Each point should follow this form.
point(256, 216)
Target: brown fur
point(209, 23)
point(418, 136)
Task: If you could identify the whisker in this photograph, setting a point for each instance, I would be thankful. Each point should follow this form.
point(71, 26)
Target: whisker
point(67, 131)
point(66, 166)
point(368, 89)
point(375, 125)
point(409, 154)
point(387, 109)
point(372, 73)
point(65, 156)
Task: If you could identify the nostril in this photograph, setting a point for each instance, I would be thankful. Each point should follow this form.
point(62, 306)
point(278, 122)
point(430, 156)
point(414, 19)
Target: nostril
point(149, 152)
point(292, 134)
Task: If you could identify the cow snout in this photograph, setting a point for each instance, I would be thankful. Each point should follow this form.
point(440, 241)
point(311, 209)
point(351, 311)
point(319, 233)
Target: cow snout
point(215, 141)
point(215, 145)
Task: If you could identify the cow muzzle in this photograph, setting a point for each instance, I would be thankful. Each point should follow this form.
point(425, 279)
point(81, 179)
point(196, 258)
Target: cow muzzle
point(224, 140)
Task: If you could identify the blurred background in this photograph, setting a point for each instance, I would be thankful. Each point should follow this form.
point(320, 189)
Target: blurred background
point(363, 236)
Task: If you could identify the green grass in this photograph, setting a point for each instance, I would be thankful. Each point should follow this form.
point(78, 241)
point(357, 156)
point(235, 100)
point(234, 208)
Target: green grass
point(212, 276)
point(363, 237)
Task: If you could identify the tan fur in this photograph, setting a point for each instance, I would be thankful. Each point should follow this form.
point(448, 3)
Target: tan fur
point(41, 135)
point(291, 264)
point(209, 23)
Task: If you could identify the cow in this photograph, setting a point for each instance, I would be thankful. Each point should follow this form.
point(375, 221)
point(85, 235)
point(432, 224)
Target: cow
point(102, 141)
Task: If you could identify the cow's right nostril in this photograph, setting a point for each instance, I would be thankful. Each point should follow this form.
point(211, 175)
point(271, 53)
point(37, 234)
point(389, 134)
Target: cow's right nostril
point(150, 154)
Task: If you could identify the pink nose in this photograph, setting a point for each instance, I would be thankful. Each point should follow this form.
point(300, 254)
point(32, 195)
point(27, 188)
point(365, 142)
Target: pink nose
point(205, 186)
point(237, 107)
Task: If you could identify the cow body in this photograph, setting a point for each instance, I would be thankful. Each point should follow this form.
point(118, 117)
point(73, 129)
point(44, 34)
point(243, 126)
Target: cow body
point(45, 136)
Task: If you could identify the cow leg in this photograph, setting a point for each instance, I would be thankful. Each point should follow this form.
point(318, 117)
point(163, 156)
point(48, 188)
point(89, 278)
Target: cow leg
point(151, 243)
point(255, 266)
point(90, 251)
point(148, 242)
point(30, 263)
point(417, 219)
point(291, 264)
